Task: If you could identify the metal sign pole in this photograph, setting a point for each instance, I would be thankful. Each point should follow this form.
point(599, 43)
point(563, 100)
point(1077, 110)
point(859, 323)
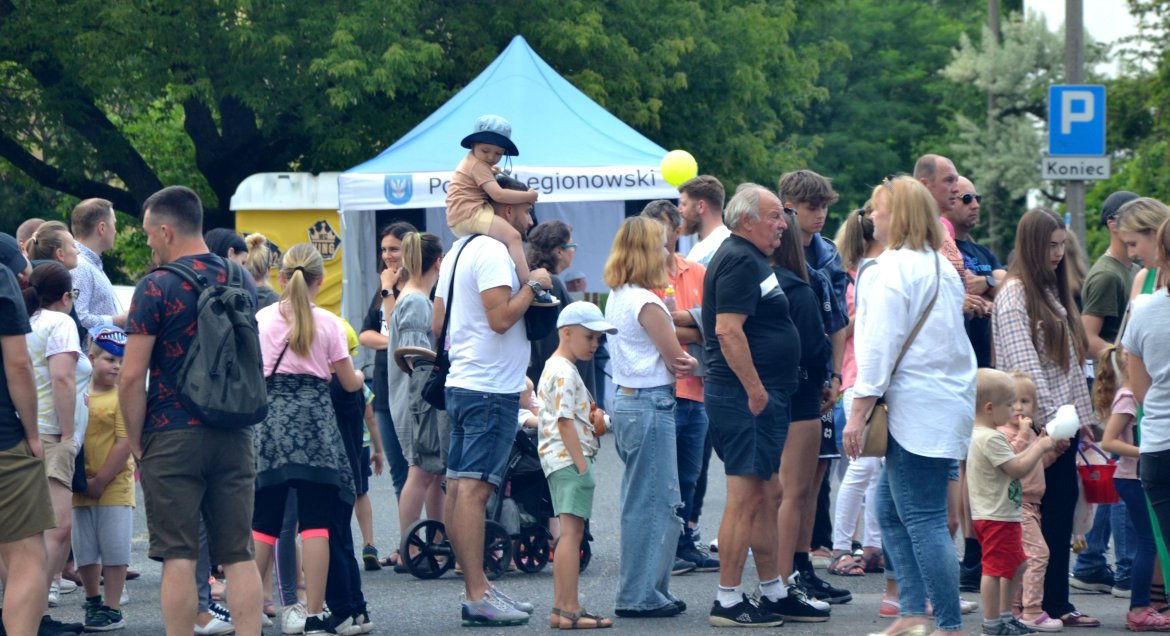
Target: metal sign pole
point(1074, 71)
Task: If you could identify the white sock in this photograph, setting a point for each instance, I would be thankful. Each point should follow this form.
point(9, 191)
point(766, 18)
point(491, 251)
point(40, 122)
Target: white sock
point(729, 596)
point(774, 589)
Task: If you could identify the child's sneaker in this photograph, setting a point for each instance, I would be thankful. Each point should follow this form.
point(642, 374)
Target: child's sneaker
point(491, 611)
point(370, 559)
point(104, 619)
point(317, 625)
point(545, 299)
point(292, 619)
point(1147, 620)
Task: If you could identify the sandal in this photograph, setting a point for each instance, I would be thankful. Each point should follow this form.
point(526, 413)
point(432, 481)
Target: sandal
point(391, 560)
point(1077, 619)
point(599, 622)
point(873, 562)
point(845, 564)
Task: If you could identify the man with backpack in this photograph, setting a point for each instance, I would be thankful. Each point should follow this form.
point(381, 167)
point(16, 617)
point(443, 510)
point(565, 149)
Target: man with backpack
point(193, 439)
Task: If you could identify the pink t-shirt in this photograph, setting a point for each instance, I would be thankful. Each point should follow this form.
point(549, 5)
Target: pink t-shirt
point(328, 344)
point(849, 360)
point(1124, 402)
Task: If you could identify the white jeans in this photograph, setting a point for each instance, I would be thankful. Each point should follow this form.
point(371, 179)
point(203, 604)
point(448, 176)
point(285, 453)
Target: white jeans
point(857, 486)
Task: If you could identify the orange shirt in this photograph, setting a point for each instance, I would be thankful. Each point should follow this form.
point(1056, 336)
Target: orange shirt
point(688, 293)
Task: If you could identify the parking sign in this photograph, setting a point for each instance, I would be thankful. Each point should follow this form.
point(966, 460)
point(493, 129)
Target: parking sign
point(1076, 120)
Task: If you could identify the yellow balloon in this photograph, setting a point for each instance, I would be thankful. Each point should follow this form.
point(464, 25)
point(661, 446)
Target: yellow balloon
point(678, 166)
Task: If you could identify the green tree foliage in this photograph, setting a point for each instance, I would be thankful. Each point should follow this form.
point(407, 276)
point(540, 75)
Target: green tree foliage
point(888, 103)
point(117, 99)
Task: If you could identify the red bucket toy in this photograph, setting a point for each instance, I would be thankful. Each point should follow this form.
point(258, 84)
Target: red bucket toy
point(1097, 479)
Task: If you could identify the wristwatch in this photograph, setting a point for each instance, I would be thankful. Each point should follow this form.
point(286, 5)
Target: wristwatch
point(385, 293)
point(991, 281)
point(536, 288)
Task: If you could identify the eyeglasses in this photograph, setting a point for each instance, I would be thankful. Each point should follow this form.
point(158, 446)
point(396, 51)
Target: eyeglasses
point(569, 246)
point(74, 293)
point(791, 211)
point(966, 198)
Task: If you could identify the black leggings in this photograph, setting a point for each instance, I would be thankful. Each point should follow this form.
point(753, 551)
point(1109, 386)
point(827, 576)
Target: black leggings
point(1155, 473)
point(315, 507)
point(1056, 520)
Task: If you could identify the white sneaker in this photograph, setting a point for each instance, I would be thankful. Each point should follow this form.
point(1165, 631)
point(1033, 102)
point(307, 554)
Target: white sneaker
point(66, 586)
point(966, 606)
point(215, 627)
point(125, 598)
point(265, 621)
point(714, 545)
point(292, 619)
point(54, 594)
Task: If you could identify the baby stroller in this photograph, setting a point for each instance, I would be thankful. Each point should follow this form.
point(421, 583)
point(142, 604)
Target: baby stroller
point(516, 529)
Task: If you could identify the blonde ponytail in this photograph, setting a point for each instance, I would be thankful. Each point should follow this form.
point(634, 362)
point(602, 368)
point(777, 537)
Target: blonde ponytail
point(302, 267)
point(259, 259)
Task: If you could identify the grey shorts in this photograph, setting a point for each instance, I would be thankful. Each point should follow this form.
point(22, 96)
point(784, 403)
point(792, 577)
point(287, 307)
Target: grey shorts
point(102, 534)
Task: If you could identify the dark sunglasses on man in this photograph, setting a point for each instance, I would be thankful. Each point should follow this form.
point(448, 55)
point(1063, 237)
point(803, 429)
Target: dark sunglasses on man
point(966, 198)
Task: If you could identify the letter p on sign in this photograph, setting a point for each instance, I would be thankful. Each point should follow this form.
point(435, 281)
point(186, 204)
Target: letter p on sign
point(1076, 120)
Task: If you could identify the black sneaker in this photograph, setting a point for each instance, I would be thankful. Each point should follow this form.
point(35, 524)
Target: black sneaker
point(219, 611)
point(745, 613)
point(970, 578)
point(54, 626)
point(1096, 581)
point(1123, 588)
point(317, 625)
point(795, 607)
point(703, 563)
point(370, 559)
point(682, 566)
point(820, 589)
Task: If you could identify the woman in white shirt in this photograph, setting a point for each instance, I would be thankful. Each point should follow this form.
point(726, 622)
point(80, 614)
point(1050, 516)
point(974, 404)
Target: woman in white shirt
point(62, 372)
point(646, 360)
point(930, 397)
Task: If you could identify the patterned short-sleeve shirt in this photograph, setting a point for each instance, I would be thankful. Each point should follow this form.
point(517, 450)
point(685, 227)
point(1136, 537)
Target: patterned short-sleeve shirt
point(562, 394)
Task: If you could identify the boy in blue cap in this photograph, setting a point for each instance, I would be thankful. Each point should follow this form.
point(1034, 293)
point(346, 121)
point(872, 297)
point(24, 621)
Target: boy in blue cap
point(474, 188)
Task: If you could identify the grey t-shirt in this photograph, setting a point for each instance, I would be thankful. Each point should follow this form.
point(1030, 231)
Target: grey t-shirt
point(1148, 338)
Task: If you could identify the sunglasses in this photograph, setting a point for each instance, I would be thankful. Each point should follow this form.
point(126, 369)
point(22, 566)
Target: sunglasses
point(967, 198)
point(569, 246)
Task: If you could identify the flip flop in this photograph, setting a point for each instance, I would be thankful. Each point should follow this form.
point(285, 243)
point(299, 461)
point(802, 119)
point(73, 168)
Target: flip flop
point(402, 353)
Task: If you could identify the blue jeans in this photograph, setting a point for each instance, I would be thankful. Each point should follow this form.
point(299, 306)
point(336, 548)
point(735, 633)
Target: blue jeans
point(1110, 519)
point(395, 461)
point(1146, 552)
point(483, 427)
point(912, 509)
point(690, 429)
point(644, 425)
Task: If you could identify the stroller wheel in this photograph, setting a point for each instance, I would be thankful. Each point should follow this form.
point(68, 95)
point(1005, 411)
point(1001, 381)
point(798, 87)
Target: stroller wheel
point(530, 551)
point(425, 551)
point(497, 550)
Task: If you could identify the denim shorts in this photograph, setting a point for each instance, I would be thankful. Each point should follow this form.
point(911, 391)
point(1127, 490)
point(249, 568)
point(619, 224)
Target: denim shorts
point(748, 444)
point(483, 427)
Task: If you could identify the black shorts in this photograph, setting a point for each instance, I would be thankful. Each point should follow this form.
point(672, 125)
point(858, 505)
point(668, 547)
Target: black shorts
point(805, 403)
point(748, 444)
point(363, 483)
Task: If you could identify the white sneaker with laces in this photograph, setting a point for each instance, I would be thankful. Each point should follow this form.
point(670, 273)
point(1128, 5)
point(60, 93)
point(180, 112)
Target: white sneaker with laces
point(66, 586)
point(54, 595)
point(292, 619)
point(966, 606)
point(125, 597)
point(215, 627)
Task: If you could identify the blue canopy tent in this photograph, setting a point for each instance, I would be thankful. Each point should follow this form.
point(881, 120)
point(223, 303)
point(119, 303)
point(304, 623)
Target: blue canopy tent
point(584, 162)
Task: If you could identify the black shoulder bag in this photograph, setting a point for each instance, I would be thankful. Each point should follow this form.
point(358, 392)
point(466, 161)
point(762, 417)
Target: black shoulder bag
point(434, 389)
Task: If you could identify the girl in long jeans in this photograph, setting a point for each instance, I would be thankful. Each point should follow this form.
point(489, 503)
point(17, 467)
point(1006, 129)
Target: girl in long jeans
point(646, 360)
point(930, 397)
point(1037, 329)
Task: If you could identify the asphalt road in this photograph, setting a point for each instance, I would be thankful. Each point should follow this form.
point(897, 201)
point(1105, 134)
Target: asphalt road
point(402, 604)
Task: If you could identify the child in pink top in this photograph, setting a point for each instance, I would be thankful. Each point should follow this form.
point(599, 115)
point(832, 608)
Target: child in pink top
point(1021, 432)
point(1117, 406)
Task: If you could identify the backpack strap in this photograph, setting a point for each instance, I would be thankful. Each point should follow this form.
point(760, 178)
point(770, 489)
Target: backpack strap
point(447, 302)
point(197, 281)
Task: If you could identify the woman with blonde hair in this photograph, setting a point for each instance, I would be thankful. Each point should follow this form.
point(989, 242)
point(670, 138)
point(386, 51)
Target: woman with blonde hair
point(1037, 330)
point(909, 309)
point(1137, 223)
point(646, 360)
point(299, 446)
point(53, 242)
point(258, 263)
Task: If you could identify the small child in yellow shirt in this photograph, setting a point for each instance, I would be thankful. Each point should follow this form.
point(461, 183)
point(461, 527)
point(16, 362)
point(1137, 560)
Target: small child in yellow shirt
point(103, 516)
point(473, 189)
point(567, 445)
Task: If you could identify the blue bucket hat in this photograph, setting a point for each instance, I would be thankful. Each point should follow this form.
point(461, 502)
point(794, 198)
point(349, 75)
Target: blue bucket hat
point(110, 338)
point(492, 129)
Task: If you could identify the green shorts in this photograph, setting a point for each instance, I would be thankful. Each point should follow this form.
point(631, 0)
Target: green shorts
point(572, 492)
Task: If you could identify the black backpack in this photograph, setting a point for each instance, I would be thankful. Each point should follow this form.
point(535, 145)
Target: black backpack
point(222, 378)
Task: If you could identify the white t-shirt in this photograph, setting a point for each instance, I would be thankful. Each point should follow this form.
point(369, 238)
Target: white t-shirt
point(1148, 338)
point(702, 251)
point(53, 333)
point(481, 359)
point(634, 359)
